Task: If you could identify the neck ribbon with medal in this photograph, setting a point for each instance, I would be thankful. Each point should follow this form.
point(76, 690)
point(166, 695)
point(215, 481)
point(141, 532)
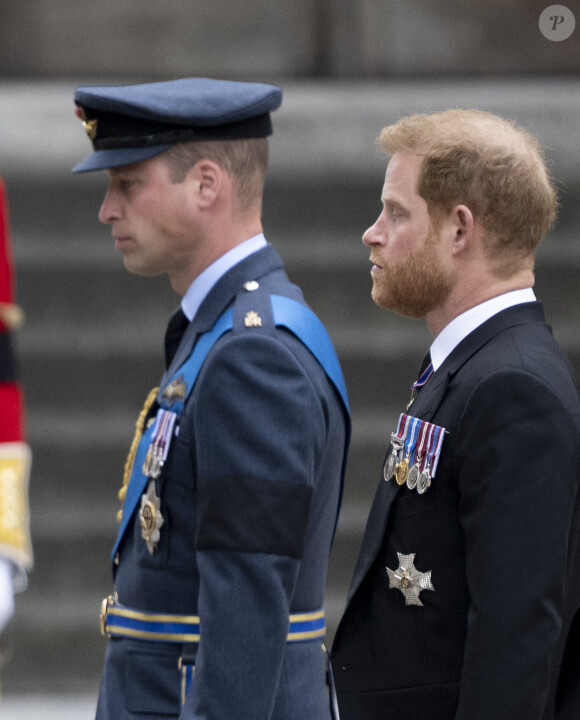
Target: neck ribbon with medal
point(415, 447)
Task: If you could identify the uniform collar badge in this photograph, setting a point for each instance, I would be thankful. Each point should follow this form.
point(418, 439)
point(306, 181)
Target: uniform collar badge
point(409, 580)
point(252, 319)
point(176, 390)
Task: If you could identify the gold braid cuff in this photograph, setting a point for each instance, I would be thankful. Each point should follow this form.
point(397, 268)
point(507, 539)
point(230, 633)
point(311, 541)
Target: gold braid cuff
point(15, 542)
point(11, 315)
point(139, 427)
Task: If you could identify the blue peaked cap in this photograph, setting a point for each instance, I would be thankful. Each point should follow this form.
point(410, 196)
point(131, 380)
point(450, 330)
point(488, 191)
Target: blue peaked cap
point(130, 123)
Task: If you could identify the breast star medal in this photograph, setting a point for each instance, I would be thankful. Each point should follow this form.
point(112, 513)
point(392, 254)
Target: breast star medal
point(150, 518)
point(409, 580)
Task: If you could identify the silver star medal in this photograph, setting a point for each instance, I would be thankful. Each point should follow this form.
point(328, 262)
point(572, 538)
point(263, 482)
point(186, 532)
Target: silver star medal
point(150, 518)
point(409, 580)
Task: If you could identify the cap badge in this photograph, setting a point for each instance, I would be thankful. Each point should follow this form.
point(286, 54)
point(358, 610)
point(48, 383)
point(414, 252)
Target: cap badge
point(409, 580)
point(90, 126)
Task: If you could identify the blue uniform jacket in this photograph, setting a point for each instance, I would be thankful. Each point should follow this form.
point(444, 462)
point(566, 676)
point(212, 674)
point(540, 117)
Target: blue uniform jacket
point(499, 530)
point(249, 496)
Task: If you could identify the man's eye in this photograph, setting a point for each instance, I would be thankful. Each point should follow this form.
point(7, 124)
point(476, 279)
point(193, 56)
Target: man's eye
point(125, 185)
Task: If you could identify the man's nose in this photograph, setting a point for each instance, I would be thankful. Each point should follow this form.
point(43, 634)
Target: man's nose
point(109, 210)
point(374, 234)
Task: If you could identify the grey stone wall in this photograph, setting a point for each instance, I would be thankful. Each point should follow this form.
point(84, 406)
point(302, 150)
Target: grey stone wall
point(291, 38)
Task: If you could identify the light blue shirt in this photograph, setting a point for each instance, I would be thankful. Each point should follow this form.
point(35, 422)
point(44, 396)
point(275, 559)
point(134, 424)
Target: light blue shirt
point(460, 327)
point(204, 282)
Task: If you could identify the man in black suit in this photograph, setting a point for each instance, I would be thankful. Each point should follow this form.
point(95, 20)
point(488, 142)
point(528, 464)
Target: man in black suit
point(464, 604)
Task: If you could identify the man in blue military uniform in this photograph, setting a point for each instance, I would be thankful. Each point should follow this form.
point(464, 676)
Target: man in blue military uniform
point(234, 480)
point(465, 601)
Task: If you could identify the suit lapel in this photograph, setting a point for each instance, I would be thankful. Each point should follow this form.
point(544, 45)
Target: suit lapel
point(425, 406)
point(431, 395)
point(374, 531)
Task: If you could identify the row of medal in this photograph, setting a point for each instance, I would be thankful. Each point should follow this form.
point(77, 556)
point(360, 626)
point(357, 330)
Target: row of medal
point(159, 447)
point(150, 517)
point(414, 454)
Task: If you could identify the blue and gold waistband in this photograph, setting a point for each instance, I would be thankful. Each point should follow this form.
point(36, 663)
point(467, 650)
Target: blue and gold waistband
point(120, 621)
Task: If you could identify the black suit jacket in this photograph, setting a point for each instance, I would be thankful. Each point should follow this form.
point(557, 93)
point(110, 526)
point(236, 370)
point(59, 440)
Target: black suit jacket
point(498, 529)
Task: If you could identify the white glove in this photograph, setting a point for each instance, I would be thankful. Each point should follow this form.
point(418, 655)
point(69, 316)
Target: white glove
point(6, 593)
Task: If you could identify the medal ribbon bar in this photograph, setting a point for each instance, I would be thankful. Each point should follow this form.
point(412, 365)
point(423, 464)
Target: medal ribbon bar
point(415, 451)
point(159, 448)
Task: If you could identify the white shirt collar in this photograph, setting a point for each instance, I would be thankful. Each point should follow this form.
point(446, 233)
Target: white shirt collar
point(204, 282)
point(460, 327)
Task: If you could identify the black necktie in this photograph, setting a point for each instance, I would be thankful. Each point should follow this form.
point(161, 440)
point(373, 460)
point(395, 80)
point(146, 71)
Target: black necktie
point(174, 333)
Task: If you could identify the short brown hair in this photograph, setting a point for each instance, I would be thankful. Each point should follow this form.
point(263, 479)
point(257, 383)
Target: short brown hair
point(245, 160)
point(485, 162)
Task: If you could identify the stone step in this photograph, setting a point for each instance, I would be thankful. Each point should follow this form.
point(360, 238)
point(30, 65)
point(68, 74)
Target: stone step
point(81, 300)
point(68, 270)
point(59, 610)
point(74, 524)
point(103, 373)
point(73, 542)
point(51, 657)
point(323, 129)
point(56, 623)
point(76, 476)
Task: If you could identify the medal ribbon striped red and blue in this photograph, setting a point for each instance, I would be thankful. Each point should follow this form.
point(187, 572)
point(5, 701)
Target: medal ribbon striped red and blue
point(424, 441)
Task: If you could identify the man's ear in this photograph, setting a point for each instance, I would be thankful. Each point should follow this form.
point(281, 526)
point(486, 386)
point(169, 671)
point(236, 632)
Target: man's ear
point(464, 223)
point(208, 178)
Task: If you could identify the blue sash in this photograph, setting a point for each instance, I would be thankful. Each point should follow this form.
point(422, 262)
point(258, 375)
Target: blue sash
point(288, 313)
